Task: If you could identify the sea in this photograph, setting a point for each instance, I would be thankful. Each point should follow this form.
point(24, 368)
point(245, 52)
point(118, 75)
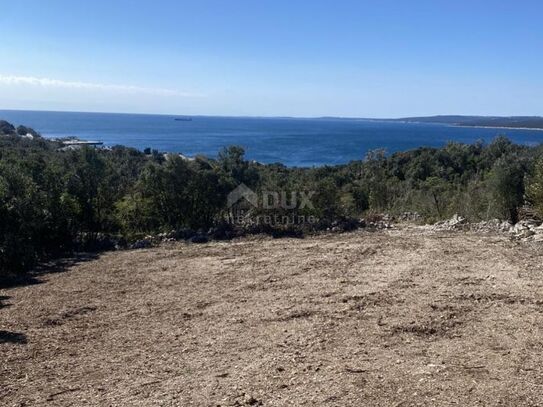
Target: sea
point(294, 142)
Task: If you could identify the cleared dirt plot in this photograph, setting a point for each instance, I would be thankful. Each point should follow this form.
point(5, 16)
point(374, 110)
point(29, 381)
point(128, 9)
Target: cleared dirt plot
point(397, 318)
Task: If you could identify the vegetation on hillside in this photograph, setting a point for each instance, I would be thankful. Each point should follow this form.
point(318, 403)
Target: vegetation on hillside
point(55, 200)
point(525, 122)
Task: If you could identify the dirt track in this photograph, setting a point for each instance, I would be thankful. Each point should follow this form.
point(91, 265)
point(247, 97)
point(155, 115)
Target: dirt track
point(393, 319)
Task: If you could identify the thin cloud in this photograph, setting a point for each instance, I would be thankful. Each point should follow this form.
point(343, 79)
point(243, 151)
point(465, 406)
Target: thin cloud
point(57, 83)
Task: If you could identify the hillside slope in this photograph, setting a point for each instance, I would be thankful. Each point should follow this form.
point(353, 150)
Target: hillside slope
point(403, 317)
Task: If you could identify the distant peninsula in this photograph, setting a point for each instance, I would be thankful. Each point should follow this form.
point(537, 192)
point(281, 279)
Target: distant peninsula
point(517, 122)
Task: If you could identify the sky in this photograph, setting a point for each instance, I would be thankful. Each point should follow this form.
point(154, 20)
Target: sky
point(273, 57)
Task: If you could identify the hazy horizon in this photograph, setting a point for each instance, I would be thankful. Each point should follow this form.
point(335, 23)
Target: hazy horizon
point(261, 116)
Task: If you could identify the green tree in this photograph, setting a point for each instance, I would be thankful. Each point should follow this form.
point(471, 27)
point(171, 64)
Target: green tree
point(436, 188)
point(506, 185)
point(535, 187)
point(375, 176)
point(21, 223)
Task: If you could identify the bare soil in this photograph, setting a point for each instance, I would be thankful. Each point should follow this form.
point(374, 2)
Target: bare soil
point(398, 318)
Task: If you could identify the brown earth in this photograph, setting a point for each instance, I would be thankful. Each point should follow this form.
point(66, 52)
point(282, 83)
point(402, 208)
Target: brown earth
point(396, 318)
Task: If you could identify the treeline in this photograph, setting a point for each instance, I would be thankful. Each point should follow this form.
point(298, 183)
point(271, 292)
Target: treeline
point(528, 122)
point(54, 200)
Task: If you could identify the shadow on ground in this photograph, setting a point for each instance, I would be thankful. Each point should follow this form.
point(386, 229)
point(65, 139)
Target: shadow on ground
point(53, 266)
point(2, 299)
point(12, 337)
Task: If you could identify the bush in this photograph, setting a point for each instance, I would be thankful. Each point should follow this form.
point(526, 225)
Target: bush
point(7, 128)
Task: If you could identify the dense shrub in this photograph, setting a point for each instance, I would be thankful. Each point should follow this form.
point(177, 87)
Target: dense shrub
point(52, 199)
point(535, 187)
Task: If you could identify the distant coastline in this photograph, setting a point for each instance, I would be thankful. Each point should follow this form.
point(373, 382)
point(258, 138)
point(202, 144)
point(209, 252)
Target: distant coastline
point(488, 122)
point(467, 126)
point(293, 142)
point(499, 127)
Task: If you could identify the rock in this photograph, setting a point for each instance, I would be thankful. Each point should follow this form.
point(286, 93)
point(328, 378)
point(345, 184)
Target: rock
point(375, 224)
point(387, 218)
point(121, 244)
point(526, 229)
point(457, 220)
point(526, 233)
point(410, 217)
point(141, 244)
point(455, 223)
point(505, 226)
point(344, 225)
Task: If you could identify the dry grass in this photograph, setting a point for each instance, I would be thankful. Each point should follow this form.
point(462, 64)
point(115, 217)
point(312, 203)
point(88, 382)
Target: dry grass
point(393, 319)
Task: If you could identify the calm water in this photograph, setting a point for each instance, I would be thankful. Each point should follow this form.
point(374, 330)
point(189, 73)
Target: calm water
point(294, 142)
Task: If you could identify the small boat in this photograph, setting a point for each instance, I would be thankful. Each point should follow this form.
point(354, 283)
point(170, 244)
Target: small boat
point(183, 119)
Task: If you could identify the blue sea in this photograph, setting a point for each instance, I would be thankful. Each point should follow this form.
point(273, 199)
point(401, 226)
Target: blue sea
point(291, 141)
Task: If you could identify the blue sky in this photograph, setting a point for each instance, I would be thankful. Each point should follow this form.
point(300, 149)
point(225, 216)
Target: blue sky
point(297, 58)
